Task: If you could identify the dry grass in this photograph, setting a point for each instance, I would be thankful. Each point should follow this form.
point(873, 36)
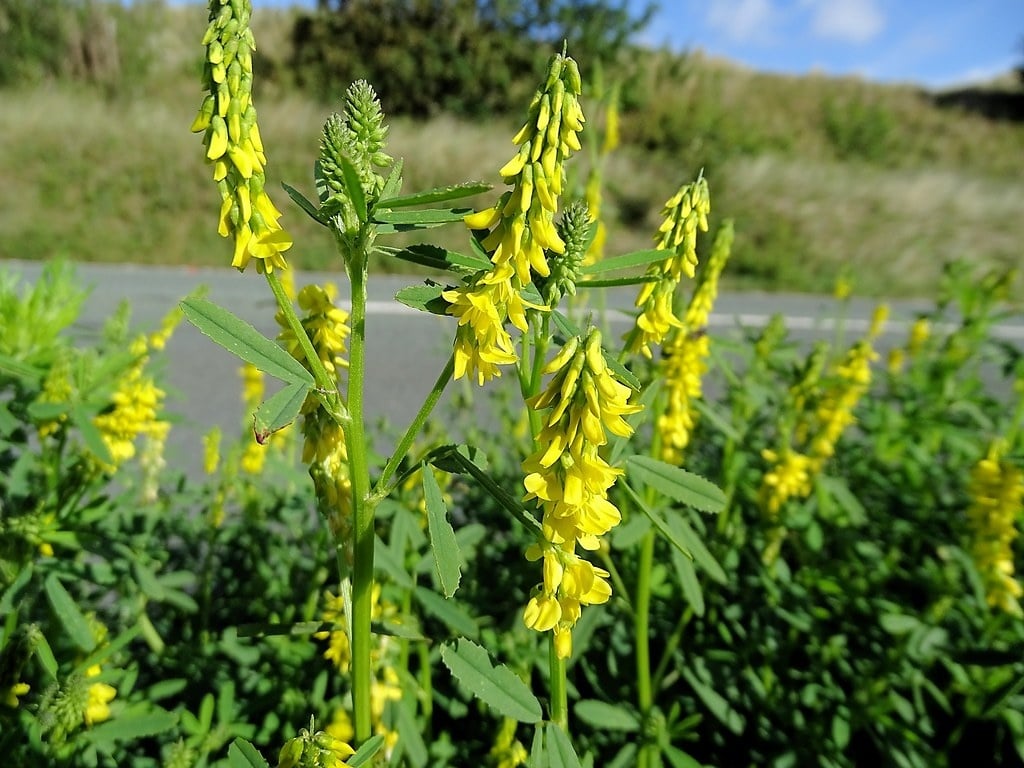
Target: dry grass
point(122, 179)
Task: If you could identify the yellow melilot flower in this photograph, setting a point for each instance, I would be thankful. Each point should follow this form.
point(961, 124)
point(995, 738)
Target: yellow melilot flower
point(98, 698)
point(686, 353)
point(231, 136)
point(135, 404)
point(482, 307)
point(211, 450)
point(570, 481)
point(57, 388)
point(318, 749)
point(507, 751)
point(997, 500)
point(522, 223)
point(919, 333)
point(685, 213)
point(13, 692)
point(789, 477)
point(851, 380)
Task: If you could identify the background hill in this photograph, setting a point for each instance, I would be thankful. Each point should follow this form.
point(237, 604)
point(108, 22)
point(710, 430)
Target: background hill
point(821, 174)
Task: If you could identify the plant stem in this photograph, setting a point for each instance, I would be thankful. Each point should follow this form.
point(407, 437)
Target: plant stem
point(559, 695)
point(641, 623)
point(362, 505)
point(381, 490)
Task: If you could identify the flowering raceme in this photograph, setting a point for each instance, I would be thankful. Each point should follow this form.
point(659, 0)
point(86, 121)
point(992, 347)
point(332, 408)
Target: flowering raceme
point(324, 447)
point(686, 352)
point(519, 228)
point(997, 500)
point(570, 481)
point(231, 135)
point(685, 213)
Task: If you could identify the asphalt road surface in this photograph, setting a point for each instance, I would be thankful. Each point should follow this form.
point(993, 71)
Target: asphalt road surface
point(406, 348)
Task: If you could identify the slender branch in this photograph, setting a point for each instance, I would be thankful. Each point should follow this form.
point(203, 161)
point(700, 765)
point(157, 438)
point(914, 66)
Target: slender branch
point(382, 489)
point(559, 694)
point(326, 386)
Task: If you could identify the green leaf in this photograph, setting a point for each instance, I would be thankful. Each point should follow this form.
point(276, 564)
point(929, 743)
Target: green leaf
point(695, 545)
point(676, 483)
point(44, 653)
point(660, 524)
point(354, 186)
point(451, 614)
point(617, 282)
point(899, 624)
point(409, 733)
point(436, 195)
point(625, 375)
point(605, 716)
point(442, 536)
point(559, 749)
point(710, 413)
point(393, 183)
point(626, 261)
point(18, 369)
point(427, 217)
point(129, 726)
point(68, 614)
point(82, 417)
point(7, 601)
point(425, 298)
point(678, 758)
point(715, 703)
point(279, 410)
point(498, 687)
point(366, 752)
point(435, 257)
point(242, 754)
point(300, 200)
point(688, 581)
point(244, 341)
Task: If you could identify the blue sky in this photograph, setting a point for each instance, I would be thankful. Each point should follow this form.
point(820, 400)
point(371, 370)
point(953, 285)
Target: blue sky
point(935, 43)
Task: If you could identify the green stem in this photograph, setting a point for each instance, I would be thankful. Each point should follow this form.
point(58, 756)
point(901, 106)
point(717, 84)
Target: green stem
point(670, 647)
point(326, 386)
point(362, 506)
point(642, 629)
point(559, 695)
point(381, 489)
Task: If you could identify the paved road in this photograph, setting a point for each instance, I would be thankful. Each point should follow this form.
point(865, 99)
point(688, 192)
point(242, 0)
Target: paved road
point(406, 348)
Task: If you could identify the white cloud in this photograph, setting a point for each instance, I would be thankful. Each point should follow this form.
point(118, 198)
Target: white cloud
point(846, 21)
point(742, 21)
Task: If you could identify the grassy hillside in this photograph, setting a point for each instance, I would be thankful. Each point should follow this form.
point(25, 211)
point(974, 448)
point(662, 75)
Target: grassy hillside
point(818, 172)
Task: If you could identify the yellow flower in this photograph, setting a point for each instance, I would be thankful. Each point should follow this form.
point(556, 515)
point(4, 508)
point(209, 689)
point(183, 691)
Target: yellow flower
point(686, 353)
point(99, 696)
point(997, 500)
point(685, 213)
point(507, 751)
point(133, 411)
point(481, 341)
point(788, 478)
point(919, 333)
point(13, 692)
point(570, 481)
point(227, 119)
point(521, 224)
point(211, 450)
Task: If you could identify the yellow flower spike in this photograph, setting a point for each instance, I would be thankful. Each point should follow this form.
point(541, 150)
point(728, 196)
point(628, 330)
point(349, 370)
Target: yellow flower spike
point(232, 139)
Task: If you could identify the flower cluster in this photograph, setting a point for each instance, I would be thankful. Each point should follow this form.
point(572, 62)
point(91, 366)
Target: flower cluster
point(324, 447)
point(570, 481)
point(686, 353)
point(231, 136)
point(997, 500)
point(508, 751)
point(685, 213)
point(520, 227)
point(254, 454)
point(135, 404)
